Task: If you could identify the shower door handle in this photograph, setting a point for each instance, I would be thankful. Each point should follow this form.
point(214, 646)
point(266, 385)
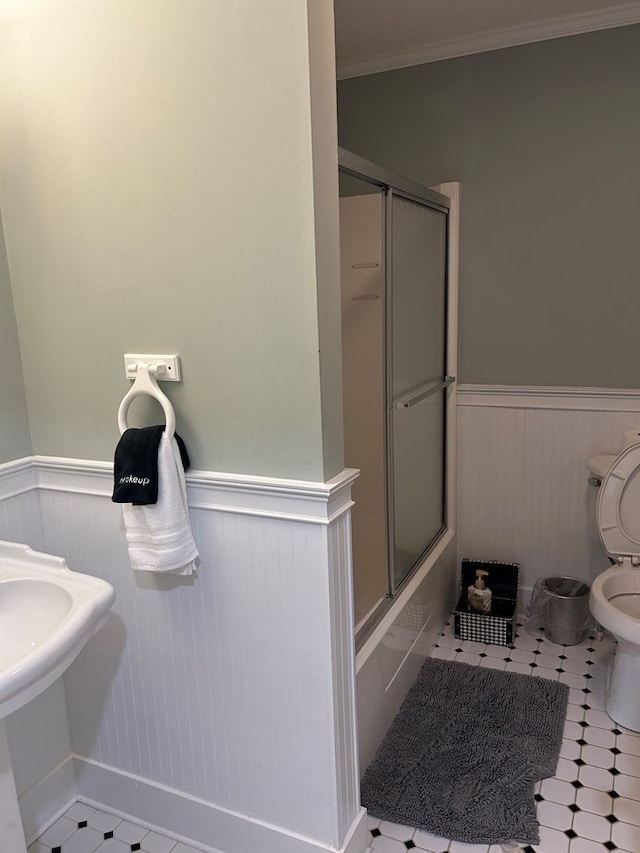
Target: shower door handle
point(417, 396)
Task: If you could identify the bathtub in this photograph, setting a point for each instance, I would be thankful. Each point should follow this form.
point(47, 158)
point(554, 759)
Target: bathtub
point(391, 657)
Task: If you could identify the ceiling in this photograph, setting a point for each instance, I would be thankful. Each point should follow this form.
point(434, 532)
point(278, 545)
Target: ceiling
point(377, 35)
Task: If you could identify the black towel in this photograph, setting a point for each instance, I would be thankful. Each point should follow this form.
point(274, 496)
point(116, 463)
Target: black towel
point(135, 465)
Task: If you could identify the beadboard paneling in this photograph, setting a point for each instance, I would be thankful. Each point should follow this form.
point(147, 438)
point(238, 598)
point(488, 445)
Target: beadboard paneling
point(192, 670)
point(522, 476)
point(343, 668)
point(20, 518)
point(231, 685)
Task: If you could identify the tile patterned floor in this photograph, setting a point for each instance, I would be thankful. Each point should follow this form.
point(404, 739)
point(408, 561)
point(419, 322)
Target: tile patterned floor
point(593, 803)
point(591, 806)
point(83, 829)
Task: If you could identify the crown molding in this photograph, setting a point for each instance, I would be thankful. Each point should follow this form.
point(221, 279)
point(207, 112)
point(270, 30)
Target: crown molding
point(568, 25)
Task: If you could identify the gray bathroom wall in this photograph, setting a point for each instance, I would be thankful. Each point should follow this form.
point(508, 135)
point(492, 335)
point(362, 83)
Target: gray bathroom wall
point(157, 169)
point(15, 440)
point(545, 139)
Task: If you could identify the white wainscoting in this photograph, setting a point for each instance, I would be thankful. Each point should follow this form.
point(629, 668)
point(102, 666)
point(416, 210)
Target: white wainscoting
point(522, 476)
point(233, 689)
point(20, 519)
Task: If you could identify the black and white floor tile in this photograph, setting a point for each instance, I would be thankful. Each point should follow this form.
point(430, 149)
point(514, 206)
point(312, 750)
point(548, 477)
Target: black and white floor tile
point(83, 829)
point(592, 805)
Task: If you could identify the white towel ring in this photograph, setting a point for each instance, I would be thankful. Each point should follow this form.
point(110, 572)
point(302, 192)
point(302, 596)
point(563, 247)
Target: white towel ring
point(146, 383)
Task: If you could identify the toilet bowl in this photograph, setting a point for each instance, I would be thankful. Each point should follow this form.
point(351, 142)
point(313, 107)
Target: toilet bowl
point(615, 594)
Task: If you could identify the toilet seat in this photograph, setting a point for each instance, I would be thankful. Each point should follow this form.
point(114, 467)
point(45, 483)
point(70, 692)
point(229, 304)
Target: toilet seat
point(618, 510)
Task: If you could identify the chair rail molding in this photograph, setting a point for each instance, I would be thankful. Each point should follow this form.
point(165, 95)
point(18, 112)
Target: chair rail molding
point(550, 397)
point(290, 500)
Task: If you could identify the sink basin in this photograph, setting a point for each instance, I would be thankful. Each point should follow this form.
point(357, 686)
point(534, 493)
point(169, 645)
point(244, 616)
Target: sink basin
point(47, 614)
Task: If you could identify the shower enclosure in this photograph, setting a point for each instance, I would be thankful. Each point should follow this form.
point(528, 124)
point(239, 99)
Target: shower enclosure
point(396, 376)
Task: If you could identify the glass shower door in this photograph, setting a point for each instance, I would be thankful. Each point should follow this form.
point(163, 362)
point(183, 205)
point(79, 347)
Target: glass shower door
point(416, 381)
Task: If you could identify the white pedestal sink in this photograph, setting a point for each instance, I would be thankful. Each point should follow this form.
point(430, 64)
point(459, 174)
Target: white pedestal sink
point(47, 614)
point(11, 833)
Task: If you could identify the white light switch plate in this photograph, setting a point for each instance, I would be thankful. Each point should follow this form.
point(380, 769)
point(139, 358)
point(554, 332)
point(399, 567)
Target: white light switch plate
point(171, 362)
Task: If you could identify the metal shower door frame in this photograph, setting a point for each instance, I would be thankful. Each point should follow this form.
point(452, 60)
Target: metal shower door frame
point(393, 186)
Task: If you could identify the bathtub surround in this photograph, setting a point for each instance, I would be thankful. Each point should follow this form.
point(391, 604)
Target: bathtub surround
point(160, 725)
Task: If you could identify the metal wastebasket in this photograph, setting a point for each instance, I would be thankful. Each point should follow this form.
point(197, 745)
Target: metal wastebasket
point(567, 610)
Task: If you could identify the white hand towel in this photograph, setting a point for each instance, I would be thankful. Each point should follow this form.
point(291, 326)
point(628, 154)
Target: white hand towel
point(159, 535)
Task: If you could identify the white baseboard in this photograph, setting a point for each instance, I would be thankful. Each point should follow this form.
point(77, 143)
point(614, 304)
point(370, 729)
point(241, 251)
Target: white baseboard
point(192, 820)
point(46, 800)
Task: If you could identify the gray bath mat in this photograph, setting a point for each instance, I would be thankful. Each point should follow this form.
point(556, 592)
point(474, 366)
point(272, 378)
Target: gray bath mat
point(463, 755)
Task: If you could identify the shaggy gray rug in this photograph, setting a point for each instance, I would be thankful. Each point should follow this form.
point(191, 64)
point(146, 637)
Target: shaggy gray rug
point(463, 755)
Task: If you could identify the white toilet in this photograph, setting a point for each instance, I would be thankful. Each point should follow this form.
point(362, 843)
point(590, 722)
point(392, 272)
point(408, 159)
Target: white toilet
point(615, 593)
